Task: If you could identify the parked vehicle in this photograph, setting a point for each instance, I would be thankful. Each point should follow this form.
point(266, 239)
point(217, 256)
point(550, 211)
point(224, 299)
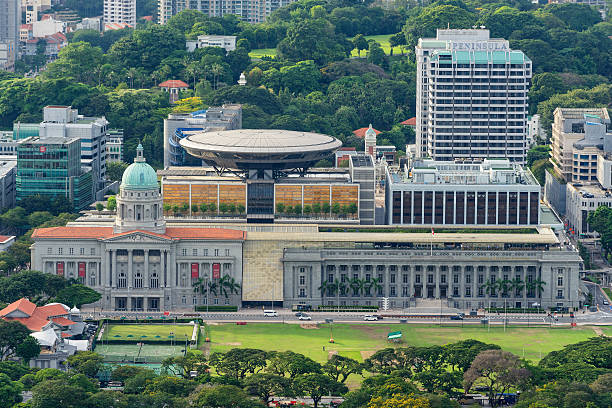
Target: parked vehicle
point(304, 316)
point(270, 313)
point(458, 316)
point(370, 318)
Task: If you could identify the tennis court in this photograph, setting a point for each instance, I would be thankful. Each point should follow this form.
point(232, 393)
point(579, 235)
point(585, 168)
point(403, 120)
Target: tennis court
point(135, 353)
point(148, 332)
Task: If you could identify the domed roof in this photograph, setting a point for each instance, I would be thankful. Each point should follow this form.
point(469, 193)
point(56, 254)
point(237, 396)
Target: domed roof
point(370, 133)
point(139, 175)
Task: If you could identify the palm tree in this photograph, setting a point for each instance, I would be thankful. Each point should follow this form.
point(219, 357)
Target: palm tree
point(538, 285)
point(375, 284)
point(516, 286)
point(503, 286)
point(228, 285)
point(324, 288)
point(193, 70)
point(490, 288)
point(199, 285)
point(216, 70)
point(212, 287)
point(131, 74)
point(342, 287)
point(333, 287)
point(357, 286)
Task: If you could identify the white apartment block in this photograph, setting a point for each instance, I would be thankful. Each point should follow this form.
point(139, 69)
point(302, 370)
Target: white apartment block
point(251, 11)
point(471, 97)
point(114, 146)
point(120, 11)
point(63, 121)
point(227, 42)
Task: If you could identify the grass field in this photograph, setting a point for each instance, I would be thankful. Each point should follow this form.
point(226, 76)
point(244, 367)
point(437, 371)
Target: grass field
point(119, 352)
point(147, 332)
point(361, 340)
point(383, 40)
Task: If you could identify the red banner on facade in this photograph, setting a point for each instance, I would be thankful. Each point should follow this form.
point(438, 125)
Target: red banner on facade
point(59, 268)
point(216, 270)
point(42, 149)
point(195, 270)
point(81, 269)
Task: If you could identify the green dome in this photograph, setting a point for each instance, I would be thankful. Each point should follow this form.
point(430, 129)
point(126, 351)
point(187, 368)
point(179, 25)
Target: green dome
point(139, 175)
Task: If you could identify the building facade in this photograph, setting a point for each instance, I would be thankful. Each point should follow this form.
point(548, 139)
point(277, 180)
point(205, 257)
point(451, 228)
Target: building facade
point(471, 97)
point(8, 172)
point(458, 276)
point(225, 117)
point(139, 263)
point(10, 22)
point(120, 11)
point(63, 121)
point(227, 42)
point(494, 192)
point(251, 11)
point(52, 167)
point(114, 145)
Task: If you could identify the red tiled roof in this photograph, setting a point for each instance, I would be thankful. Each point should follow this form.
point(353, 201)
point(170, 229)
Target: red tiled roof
point(205, 233)
point(26, 26)
point(107, 232)
point(360, 133)
point(147, 18)
point(173, 83)
point(409, 122)
point(50, 310)
point(73, 232)
point(22, 304)
point(5, 238)
point(62, 321)
point(66, 335)
point(33, 323)
point(347, 149)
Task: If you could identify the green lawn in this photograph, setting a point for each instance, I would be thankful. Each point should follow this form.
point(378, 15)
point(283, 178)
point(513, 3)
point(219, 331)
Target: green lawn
point(136, 331)
point(383, 40)
point(262, 52)
point(361, 340)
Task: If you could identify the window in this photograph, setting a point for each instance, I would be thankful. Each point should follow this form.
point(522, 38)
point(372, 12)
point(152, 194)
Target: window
point(392, 278)
point(417, 278)
point(216, 301)
point(154, 281)
point(302, 280)
point(443, 278)
point(455, 291)
point(302, 270)
point(405, 278)
point(468, 278)
point(302, 293)
point(81, 251)
point(380, 278)
point(368, 277)
point(92, 251)
point(430, 278)
point(138, 280)
point(560, 281)
point(216, 252)
point(121, 281)
point(49, 251)
point(184, 251)
point(70, 251)
point(330, 278)
point(392, 291)
point(343, 278)
point(560, 294)
point(468, 291)
point(60, 251)
point(227, 252)
point(205, 252)
point(194, 252)
point(184, 300)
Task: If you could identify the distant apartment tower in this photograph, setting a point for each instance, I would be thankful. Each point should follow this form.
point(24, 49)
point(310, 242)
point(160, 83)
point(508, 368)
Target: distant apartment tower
point(120, 11)
point(51, 167)
point(114, 145)
point(494, 192)
point(63, 121)
point(176, 127)
point(10, 23)
point(252, 11)
point(471, 97)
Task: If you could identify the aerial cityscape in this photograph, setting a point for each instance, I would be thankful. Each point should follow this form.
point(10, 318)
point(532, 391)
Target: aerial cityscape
point(320, 203)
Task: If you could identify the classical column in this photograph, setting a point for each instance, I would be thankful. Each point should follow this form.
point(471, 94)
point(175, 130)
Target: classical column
point(146, 274)
point(130, 260)
point(113, 275)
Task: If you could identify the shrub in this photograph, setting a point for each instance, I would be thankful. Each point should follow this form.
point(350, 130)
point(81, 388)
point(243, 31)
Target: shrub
point(298, 209)
point(195, 208)
point(240, 208)
point(326, 208)
point(280, 208)
point(167, 207)
point(307, 209)
point(99, 207)
point(204, 207)
point(231, 207)
point(335, 208)
point(212, 207)
point(184, 207)
point(316, 208)
point(223, 208)
point(353, 208)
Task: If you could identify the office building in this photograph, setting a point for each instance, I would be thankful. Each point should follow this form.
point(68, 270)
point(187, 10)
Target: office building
point(225, 117)
point(10, 23)
point(8, 172)
point(362, 172)
point(114, 145)
point(251, 11)
point(51, 167)
point(227, 42)
point(138, 263)
point(494, 192)
point(120, 11)
point(63, 121)
point(579, 135)
point(471, 97)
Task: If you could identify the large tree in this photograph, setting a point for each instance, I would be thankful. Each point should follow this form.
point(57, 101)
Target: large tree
point(12, 334)
point(497, 370)
point(316, 386)
point(315, 40)
point(78, 295)
point(338, 367)
point(264, 386)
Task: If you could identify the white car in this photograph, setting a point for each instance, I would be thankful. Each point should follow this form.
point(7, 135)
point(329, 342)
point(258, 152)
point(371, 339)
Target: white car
point(304, 317)
point(370, 318)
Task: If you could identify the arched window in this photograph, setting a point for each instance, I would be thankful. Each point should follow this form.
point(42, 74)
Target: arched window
point(154, 281)
point(122, 280)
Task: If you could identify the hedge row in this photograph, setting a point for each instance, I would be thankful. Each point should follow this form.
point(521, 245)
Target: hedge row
point(514, 310)
point(217, 308)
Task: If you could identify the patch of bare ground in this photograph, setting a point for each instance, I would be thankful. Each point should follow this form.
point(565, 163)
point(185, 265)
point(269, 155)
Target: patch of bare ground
point(367, 353)
point(309, 326)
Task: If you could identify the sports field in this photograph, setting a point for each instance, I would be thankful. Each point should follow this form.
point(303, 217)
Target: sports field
point(148, 332)
point(383, 40)
point(359, 341)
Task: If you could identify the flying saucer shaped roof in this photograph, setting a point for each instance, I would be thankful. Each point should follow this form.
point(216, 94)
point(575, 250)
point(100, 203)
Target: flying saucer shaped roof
point(260, 148)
